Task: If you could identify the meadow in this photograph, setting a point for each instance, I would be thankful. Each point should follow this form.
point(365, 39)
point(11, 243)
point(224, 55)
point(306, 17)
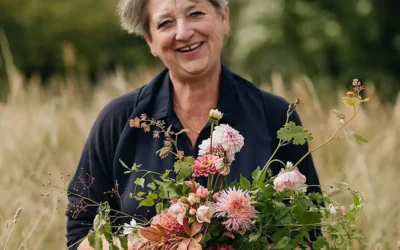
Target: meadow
point(43, 130)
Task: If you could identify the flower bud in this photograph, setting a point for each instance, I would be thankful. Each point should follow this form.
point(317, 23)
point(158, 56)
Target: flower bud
point(192, 211)
point(214, 116)
point(297, 102)
point(291, 107)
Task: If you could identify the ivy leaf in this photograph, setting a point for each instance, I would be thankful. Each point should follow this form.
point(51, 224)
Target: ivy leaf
point(148, 202)
point(320, 243)
point(152, 196)
point(358, 138)
point(244, 183)
point(163, 191)
point(136, 167)
point(139, 182)
point(159, 207)
point(152, 186)
point(184, 168)
point(166, 174)
point(140, 194)
point(296, 133)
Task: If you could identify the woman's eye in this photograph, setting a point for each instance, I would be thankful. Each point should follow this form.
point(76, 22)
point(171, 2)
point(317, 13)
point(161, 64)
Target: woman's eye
point(163, 24)
point(196, 14)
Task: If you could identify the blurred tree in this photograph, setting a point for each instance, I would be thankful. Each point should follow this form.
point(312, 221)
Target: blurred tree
point(39, 29)
point(339, 39)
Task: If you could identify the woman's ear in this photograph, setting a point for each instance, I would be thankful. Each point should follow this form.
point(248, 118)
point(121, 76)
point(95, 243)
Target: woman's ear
point(150, 43)
point(225, 16)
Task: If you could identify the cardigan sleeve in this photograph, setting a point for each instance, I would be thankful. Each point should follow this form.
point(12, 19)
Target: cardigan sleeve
point(93, 178)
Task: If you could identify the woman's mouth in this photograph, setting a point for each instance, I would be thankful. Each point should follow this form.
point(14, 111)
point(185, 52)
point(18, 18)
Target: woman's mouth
point(190, 48)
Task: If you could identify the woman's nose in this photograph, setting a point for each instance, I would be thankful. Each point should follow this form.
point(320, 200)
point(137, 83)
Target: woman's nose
point(184, 30)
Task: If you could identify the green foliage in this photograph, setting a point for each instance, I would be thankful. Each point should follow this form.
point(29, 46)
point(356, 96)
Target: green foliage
point(295, 134)
point(184, 168)
point(358, 138)
point(140, 182)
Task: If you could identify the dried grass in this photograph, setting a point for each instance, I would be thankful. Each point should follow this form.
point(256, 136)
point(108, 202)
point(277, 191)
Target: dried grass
point(42, 132)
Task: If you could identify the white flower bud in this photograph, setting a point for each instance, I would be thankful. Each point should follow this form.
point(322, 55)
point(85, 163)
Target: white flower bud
point(214, 116)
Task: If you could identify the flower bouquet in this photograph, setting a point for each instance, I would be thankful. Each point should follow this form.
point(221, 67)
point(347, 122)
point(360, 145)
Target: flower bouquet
point(264, 212)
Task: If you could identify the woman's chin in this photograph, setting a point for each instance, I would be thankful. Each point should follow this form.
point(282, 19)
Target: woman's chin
point(196, 68)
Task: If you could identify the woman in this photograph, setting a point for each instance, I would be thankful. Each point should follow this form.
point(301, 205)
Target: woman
point(187, 35)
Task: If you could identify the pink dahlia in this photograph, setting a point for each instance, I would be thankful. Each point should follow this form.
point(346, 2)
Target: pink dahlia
point(169, 223)
point(289, 179)
point(205, 165)
point(229, 138)
point(235, 205)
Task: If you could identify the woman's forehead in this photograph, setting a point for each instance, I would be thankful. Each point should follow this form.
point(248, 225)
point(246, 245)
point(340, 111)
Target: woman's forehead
point(161, 8)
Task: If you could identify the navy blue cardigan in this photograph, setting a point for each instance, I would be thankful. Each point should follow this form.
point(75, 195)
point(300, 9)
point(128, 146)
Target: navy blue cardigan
point(256, 114)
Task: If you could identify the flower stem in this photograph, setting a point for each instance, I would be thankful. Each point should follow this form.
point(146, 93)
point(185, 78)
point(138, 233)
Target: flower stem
point(211, 135)
point(330, 138)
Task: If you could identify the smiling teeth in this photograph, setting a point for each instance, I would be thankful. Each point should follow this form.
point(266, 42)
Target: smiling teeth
point(194, 46)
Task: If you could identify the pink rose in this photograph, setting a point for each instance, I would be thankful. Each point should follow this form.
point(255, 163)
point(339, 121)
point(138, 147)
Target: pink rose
point(192, 211)
point(204, 214)
point(193, 199)
point(202, 192)
point(178, 211)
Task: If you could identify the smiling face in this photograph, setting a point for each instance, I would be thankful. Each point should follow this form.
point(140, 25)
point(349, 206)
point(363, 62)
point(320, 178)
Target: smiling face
point(187, 35)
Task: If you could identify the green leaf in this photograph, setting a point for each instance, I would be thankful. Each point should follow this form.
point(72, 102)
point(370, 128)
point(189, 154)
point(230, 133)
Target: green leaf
point(244, 183)
point(163, 191)
point(284, 241)
point(124, 165)
point(123, 240)
point(278, 235)
point(254, 236)
point(166, 174)
point(152, 186)
point(184, 168)
point(159, 207)
point(351, 101)
point(136, 167)
point(163, 152)
point(140, 194)
point(140, 182)
point(152, 196)
point(339, 114)
point(148, 202)
point(320, 243)
point(296, 133)
point(173, 191)
point(108, 232)
point(358, 138)
point(113, 247)
point(185, 189)
point(259, 177)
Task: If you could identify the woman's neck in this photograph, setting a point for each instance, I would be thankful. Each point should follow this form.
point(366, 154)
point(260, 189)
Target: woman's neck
point(193, 99)
point(189, 93)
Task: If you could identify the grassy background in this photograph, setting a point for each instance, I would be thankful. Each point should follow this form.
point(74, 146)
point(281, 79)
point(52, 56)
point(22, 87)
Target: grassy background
point(42, 133)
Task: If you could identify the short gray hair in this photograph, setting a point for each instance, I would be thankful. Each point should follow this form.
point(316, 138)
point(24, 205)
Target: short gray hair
point(135, 18)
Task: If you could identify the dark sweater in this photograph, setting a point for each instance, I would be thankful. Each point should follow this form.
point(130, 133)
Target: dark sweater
point(256, 114)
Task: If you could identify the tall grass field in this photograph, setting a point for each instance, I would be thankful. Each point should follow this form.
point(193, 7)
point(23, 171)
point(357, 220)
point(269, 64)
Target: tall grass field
point(43, 130)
